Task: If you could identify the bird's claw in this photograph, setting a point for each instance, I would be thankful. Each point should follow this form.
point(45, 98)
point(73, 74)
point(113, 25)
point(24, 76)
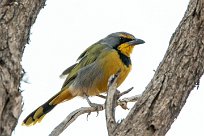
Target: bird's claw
point(98, 107)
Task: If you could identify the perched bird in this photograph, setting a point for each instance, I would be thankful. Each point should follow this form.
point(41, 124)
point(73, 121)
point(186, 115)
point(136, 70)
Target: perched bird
point(89, 76)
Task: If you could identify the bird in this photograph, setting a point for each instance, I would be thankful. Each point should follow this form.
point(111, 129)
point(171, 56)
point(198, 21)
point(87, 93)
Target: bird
point(89, 75)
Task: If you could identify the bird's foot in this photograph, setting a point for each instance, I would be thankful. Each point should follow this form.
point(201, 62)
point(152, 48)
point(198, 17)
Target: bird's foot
point(98, 107)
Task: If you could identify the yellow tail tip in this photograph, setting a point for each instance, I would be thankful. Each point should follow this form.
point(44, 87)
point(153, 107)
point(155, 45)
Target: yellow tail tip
point(31, 122)
point(33, 119)
point(23, 124)
point(28, 122)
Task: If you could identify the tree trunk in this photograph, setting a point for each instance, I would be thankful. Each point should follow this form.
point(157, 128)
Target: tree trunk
point(178, 73)
point(16, 19)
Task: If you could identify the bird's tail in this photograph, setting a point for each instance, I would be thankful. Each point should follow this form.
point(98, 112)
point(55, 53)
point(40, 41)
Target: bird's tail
point(38, 114)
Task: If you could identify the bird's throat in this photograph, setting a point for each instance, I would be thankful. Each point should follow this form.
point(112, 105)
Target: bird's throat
point(125, 59)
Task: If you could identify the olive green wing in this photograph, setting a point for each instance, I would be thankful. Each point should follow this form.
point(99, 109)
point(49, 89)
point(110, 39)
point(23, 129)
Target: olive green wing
point(67, 71)
point(94, 49)
point(86, 58)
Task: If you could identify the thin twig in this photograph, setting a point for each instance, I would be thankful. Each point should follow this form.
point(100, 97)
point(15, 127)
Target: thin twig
point(125, 92)
point(132, 98)
point(123, 102)
point(101, 96)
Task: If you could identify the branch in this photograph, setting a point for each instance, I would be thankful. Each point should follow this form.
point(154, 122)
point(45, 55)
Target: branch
point(71, 118)
point(111, 102)
point(123, 102)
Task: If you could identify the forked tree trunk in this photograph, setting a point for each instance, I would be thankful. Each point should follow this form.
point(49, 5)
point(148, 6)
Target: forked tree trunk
point(16, 18)
point(178, 73)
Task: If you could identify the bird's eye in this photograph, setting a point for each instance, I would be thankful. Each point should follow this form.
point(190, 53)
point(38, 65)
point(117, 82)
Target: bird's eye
point(124, 40)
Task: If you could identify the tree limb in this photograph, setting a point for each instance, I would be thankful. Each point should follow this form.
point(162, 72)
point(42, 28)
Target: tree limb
point(71, 118)
point(110, 103)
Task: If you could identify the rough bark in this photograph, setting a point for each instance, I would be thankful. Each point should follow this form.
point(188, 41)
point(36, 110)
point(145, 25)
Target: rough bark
point(177, 75)
point(16, 19)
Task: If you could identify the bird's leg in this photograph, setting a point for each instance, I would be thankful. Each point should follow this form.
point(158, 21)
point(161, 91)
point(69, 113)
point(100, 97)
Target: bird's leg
point(98, 107)
point(87, 99)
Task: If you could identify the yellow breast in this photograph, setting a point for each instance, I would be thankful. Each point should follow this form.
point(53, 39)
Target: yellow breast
point(110, 64)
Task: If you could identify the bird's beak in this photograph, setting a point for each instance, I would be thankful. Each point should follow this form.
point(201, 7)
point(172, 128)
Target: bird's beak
point(136, 42)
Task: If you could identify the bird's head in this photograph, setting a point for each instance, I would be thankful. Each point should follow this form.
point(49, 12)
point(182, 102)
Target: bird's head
point(122, 41)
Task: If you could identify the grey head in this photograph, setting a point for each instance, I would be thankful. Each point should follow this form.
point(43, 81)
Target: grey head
point(115, 39)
